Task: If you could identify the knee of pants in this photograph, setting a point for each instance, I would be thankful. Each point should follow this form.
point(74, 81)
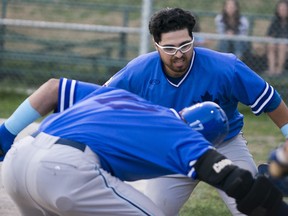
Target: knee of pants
point(170, 193)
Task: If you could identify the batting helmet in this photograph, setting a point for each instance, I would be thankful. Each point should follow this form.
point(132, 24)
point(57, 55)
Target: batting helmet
point(207, 118)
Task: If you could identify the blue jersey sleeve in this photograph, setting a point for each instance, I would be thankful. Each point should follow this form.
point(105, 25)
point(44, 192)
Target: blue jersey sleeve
point(274, 102)
point(72, 91)
point(250, 89)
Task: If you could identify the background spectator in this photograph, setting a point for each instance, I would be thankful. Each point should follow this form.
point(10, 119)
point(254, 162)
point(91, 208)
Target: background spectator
point(231, 22)
point(276, 52)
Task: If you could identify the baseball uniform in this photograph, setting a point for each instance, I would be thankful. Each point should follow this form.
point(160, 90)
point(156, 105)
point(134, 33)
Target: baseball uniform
point(212, 76)
point(116, 136)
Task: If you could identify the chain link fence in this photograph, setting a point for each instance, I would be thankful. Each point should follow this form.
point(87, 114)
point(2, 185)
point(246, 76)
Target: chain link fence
point(92, 40)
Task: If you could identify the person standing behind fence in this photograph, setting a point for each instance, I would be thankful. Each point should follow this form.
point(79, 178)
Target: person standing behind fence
point(230, 22)
point(276, 52)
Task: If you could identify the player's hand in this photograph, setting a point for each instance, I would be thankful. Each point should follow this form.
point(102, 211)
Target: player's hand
point(278, 161)
point(6, 140)
point(280, 183)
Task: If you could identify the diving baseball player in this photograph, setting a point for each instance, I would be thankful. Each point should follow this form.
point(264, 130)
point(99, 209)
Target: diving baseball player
point(76, 162)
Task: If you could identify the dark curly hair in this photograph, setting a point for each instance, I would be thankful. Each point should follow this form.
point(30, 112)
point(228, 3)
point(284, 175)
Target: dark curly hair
point(170, 19)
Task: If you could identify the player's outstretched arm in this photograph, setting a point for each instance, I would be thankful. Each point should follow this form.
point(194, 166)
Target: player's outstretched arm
point(253, 196)
point(45, 98)
point(280, 117)
point(40, 103)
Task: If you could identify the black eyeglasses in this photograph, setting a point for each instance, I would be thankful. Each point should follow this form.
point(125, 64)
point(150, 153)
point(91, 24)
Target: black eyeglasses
point(171, 50)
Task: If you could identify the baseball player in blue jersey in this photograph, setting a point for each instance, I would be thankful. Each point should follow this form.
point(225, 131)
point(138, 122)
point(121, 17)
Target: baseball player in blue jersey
point(77, 160)
point(178, 75)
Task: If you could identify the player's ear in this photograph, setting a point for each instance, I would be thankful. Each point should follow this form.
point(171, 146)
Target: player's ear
point(153, 42)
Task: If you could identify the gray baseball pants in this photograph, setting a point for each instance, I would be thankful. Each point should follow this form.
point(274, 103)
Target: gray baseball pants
point(44, 178)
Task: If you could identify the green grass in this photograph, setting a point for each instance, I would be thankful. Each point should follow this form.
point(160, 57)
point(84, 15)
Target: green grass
point(261, 133)
point(9, 102)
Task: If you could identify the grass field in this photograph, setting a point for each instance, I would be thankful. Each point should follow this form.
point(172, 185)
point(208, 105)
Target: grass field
point(261, 133)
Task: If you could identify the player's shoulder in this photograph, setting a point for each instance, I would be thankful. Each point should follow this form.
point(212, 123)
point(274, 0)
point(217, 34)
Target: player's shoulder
point(206, 54)
point(143, 65)
point(115, 93)
point(145, 59)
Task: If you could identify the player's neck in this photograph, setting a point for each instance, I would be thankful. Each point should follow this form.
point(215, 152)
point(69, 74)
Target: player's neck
point(175, 80)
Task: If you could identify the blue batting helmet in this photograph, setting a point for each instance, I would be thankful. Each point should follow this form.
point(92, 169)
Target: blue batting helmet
point(207, 118)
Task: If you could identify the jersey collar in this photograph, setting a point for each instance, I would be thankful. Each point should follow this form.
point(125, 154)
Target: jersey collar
point(184, 77)
point(175, 113)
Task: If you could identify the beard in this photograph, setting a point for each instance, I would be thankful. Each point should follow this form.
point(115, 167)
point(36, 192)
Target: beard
point(179, 65)
point(176, 66)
